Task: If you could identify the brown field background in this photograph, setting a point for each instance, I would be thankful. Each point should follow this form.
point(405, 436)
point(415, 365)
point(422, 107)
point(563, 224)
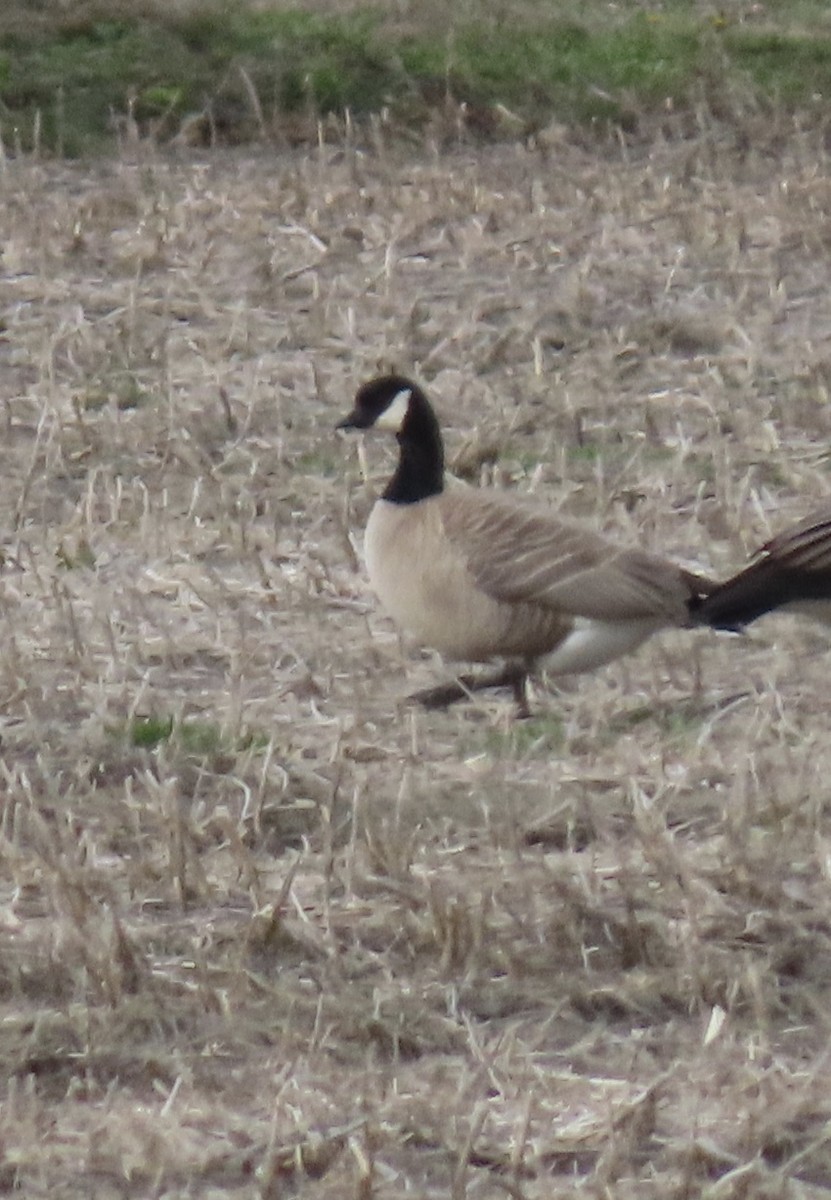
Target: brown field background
point(319, 943)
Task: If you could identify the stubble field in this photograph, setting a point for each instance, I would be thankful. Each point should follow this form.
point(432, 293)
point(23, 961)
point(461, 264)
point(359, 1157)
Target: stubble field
point(267, 929)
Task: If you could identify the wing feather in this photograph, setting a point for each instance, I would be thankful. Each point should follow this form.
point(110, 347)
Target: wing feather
point(520, 552)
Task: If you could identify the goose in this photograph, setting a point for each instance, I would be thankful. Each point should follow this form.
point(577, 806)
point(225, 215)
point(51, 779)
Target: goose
point(479, 574)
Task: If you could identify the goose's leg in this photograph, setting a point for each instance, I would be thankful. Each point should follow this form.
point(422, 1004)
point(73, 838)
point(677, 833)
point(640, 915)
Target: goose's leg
point(513, 675)
point(519, 684)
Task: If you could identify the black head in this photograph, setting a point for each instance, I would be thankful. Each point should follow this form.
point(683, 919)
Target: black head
point(383, 403)
point(395, 403)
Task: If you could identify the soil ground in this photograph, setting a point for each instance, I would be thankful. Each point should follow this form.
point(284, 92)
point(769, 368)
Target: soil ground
point(268, 930)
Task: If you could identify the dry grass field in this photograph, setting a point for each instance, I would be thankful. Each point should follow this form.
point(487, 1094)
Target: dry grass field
point(267, 930)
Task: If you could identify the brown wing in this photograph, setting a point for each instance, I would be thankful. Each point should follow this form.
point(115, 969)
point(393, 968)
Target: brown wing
point(522, 552)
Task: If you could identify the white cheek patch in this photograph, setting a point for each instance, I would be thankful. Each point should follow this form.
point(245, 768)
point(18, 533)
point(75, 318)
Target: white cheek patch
point(392, 417)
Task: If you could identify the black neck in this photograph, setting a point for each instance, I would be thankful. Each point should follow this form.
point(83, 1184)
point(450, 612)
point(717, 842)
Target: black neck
point(420, 470)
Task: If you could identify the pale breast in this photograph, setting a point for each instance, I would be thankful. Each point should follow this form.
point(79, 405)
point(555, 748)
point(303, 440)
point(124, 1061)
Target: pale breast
point(425, 586)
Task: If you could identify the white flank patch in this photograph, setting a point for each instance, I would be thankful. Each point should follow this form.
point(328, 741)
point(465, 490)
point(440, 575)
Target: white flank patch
point(392, 417)
point(593, 643)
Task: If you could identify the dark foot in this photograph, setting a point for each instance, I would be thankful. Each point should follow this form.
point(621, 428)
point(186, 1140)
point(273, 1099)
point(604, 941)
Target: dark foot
point(447, 693)
point(512, 676)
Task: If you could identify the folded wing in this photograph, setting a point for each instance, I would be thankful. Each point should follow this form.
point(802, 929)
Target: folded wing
point(525, 553)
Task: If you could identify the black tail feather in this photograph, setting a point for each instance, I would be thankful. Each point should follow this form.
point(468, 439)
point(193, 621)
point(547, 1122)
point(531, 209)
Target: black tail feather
point(761, 588)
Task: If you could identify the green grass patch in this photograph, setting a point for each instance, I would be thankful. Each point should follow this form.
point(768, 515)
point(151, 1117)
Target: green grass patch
point(677, 722)
point(534, 737)
point(203, 739)
point(69, 82)
point(73, 87)
point(589, 452)
point(149, 732)
point(320, 463)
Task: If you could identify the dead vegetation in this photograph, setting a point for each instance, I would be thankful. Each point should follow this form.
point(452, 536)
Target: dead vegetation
point(268, 931)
